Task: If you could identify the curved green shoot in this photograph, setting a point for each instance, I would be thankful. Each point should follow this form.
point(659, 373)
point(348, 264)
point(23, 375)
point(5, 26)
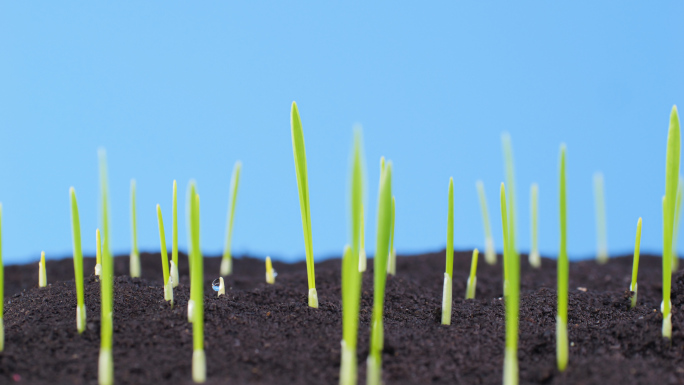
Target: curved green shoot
point(227, 261)
point(600, 207)
point(104, 201)
point(106, 362)
point(134, 260)
point(512, 297)
point(174, 247)
point(168, 283)
point(490, 253)
point(671, 182)
point(78, 262)
point(392, 257)
point(635, 265)
point(675, 232)
point(563, 275)
point(449, 273)
point(270, 273)
point(472, 279)
point(362, 251)
point(510, 181)
point(374, 362)
point(2, 291)
point(534, 258)
point(303, 187)
point(199, 366)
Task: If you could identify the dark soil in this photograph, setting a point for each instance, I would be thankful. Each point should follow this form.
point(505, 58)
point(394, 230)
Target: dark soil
point(266, 334)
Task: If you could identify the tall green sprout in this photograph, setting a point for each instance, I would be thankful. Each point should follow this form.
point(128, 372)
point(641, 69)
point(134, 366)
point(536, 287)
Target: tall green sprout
point(104, 202)
point(351, 277)
point(633, 287)
point(512, 297)
point(392, 257)
point(227, 261)
point(78, 262)
point(472, 279)
point(303, 186)
point(671, 182)
point(168, 283)
point(2, 291)
point(534, 258)
point(563, 275)
point(362, 249)
point(374, 362)
point(601, 232)
point(174, 247)
point(191, 191)
point(134, 260)
point(675, 232)
point(106, 362)
point(490, 253)
point(449, 273)
point(510, 181)
point(199, 366)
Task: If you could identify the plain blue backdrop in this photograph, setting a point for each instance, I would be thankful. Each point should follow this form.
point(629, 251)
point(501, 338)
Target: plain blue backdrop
point(182, 90)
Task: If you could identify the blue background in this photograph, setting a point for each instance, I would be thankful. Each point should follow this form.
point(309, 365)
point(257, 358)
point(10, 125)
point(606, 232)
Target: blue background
point(182, 90)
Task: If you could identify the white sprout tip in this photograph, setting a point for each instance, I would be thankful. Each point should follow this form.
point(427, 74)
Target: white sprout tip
point(199, 366)
point(362, 261)
point(191, 307)
point(667, 326)
point(662, 306)
point(174, 274)
point(98, 269)
point(80, 318)
point(490, 254)
point(313, 298)
point(535, 259)
point(42, 278)
point(347, 372)
point(105, 369)
point(168, 291)
point(226, 266)
point(446, 300)
point(222, 288)
point(2, 335)
point(134, 265)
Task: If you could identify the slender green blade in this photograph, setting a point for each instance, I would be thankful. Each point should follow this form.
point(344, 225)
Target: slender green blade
point(134, 225)
point(490, 253)
point(104, 200)
point(671, 182)
point(107, 293)
point(234, 181)
point(510, 181)
point(534, 258)
point(174, 247)
point(162, 241)
point(600, 208)
point(450, 231)
point(78, 255)
point(563, 264)
point(197, 278)
point(635, 263)
point(675, 231)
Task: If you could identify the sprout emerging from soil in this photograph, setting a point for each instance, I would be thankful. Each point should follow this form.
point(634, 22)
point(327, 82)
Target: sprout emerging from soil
point(78, 262)
point(134, 260)
point(635, 265)
point(227, 261)
point(303, 187)
point(534, 258)
point(678, 214)
point(512, 297)
point(199, 366)
point(392, 257)
point(490, 253)
point(2, 291)
point(563, 266)
point(104, 202)
point(270, 273)
point(374, 362)
point(448, 274)
point(105, 373)
point(168, 282)
point(510, 181)
point(174, 247)
point(472, 279)
point(362, 250)
point(42, 276)
point(600, 206)
point(671, 182)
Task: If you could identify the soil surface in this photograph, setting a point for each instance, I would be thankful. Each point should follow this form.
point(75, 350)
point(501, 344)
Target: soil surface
point(266, 334)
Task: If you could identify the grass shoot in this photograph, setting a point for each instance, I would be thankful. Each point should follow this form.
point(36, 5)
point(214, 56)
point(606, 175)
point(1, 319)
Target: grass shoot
point(104, 202)
point(270, 273)
point(78, 262)
point(2, 291)
point(563, 275)
point(449, 271)
point(534, 258)
point(134, 260)
point(600, 206)
point(510, 181)
point(222, 287)
point(362, 250)
point(490, 253)
point(374, 362)
point(105, 373)
point(392, 257)
point(42, 276)
point(512, 297)
point(174, 248)
point(671, 182)
point(675, 232)
point(191, 191)
point(199, 365)
point(303, 187)
point(98, 254)
point(168, 282)
point(227, 261)
point(633, 287)
point(472, 279)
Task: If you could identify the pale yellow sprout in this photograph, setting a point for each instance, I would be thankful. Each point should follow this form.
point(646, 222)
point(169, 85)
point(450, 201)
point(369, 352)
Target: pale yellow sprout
point(42, 276)
point(270, 273)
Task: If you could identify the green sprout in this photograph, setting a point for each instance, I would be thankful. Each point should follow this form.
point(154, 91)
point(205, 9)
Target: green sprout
point(42, 275)
point(449, 273)
point(78, 262)
point(104, 197)
point(563, 276)
point(174, 247)
point(392, 257)
point(675, 232)
point(270, 273)
point(472, 279)
point(199, 365)
point(134, 260)
point(168, 282)
point(510, 180)
point(303, 187)
point(227, 261)
point(351, 276)
point(98, 255)
point(671, 182)
point(362, 250)
point(635, 265)
point(2, 291)
point(490, 253)
point(191, 191)
point(374, 362)
point(601, 233)
point(534, 258)
point(106, 363)
point(512, 297)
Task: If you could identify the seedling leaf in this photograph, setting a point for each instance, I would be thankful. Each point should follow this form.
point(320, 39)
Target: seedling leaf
point(490, 253)
point(227, 261)
point(635, 264)
point(448, 274)
point(78, 262)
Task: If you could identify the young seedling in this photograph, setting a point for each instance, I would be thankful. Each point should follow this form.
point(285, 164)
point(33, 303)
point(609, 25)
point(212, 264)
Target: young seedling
point(199, 366)
point(535, 259)
point(134, 260)
point(270, 272)
point(78, 262)
point(510, 181)
point(600, 206)
point(98, 255)
point(635, 265)
point(42, 276)
point(303, 187)
point(374, 362)
point(448, 274)
point(490, 253)
point(675, 232)
point(174, 247)
point(168, 282)
point(104, 201)
point(563, 275)
point(512, 297)
point(2, 291)
point(191, 192)
point(671, 182)
point(392, 257)
point(227, 261)
point(222, 288)
point(105, 373)
point(472, 279)
point(362, 251)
